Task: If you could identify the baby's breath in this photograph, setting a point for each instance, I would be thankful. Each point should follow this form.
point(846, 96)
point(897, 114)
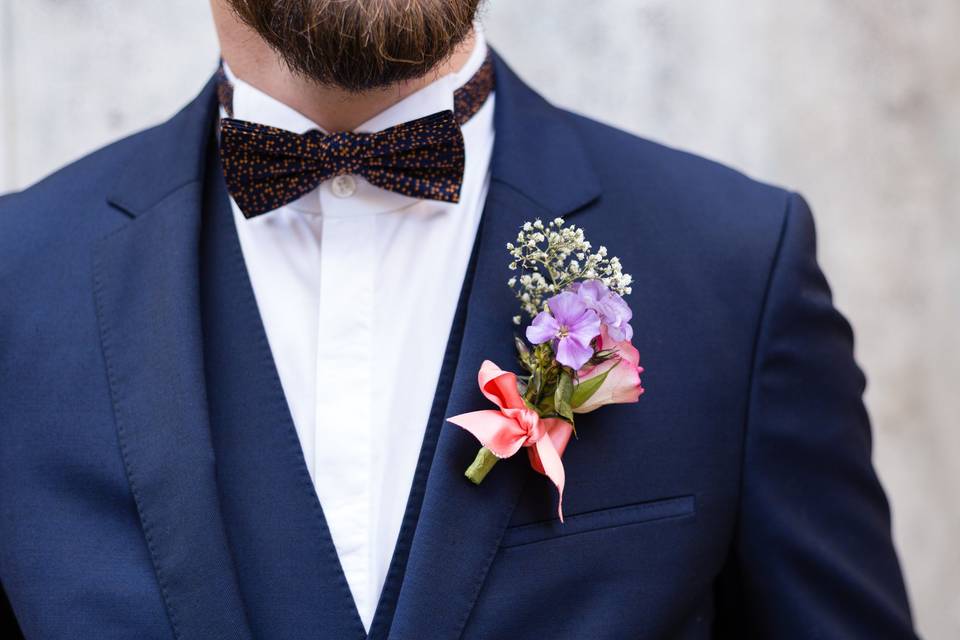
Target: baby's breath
point(552, 256)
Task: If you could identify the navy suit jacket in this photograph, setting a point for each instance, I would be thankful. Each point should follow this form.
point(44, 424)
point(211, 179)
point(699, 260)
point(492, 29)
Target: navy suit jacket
point(736, 499)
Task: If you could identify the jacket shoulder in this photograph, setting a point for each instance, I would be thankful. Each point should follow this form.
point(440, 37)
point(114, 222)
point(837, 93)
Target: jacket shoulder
point(676, 185)
point(697, 234)
point(67, 209)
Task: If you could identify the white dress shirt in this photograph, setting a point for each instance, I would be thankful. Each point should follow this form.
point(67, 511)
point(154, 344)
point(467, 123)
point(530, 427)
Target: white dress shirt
point(357, 288)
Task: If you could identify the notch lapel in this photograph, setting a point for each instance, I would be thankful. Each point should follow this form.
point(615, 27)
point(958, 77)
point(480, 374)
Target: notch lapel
point(146, 284)
point(538, 170)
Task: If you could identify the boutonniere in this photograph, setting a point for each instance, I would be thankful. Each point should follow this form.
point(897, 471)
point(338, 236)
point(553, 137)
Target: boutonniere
point(577, 355)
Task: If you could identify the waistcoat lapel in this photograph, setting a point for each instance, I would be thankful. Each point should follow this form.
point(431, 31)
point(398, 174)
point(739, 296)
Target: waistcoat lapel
point(538, 170)
point(386, 607)
point(290, 576)
point(146, 291)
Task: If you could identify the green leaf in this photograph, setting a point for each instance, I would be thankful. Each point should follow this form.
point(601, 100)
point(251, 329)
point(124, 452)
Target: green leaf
point(523, 353)
point(522, 382)
point(546, 407)
point(587, 388)
point(535, 386)
point(563, 395)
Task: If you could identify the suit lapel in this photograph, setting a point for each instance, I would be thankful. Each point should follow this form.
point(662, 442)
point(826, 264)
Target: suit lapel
point(146, 291)
point(538, 170)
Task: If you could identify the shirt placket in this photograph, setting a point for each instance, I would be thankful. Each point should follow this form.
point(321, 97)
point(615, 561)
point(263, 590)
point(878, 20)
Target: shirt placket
point(344, 392)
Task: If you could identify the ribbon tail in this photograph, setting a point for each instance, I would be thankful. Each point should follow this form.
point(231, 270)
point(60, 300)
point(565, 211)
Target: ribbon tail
point(494, 430)
point(552, 468)
point(559, 431)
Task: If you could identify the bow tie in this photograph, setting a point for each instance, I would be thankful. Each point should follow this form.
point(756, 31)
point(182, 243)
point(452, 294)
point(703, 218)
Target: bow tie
point(266, 168)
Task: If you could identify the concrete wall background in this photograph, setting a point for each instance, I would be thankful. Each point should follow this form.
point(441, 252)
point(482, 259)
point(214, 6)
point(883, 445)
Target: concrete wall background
point(856, 104)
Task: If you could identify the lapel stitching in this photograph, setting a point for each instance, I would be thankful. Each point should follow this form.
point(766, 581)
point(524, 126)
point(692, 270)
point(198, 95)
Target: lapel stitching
point(281, 407)
point(114, 384)
point(146, 298)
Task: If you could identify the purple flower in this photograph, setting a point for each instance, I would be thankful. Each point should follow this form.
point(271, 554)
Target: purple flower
point(614, 312)
point(570, 325)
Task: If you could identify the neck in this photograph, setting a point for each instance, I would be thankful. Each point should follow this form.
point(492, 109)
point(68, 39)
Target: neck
point(252, 60)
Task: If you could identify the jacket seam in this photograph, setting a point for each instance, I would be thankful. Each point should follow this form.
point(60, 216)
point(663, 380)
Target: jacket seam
point(755, 351)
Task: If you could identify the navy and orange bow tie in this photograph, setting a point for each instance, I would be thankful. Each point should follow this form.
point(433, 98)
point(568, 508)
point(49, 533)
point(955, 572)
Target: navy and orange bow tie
point(266, 168)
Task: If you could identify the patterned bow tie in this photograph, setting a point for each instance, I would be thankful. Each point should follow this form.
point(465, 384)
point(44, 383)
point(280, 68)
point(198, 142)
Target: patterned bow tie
point(266, 168)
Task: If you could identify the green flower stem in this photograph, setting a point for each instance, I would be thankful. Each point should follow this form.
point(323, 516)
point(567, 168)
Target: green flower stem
point(481, 466)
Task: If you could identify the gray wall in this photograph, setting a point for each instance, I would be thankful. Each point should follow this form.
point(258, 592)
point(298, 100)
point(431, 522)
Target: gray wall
point(853, 103)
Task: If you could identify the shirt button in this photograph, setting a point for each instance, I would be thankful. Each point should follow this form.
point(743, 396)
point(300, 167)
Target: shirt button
point(343, 186)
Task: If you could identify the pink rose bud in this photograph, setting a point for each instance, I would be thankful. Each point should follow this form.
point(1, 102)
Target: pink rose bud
point(622, 382)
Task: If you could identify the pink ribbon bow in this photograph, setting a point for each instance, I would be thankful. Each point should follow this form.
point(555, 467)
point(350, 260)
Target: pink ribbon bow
point(515, 425)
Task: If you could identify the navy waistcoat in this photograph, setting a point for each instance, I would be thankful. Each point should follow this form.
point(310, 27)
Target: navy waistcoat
point(290, 577)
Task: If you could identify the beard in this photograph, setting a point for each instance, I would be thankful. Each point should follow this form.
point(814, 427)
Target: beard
point(359, 45)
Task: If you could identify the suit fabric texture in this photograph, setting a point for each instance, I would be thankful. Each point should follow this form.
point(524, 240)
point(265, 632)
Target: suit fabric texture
point(737, 499)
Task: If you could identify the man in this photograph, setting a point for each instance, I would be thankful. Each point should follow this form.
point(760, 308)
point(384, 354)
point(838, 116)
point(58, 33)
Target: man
point(230, 344)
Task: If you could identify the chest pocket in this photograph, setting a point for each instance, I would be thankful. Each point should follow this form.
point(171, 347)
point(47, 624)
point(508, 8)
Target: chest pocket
point(597, 520)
